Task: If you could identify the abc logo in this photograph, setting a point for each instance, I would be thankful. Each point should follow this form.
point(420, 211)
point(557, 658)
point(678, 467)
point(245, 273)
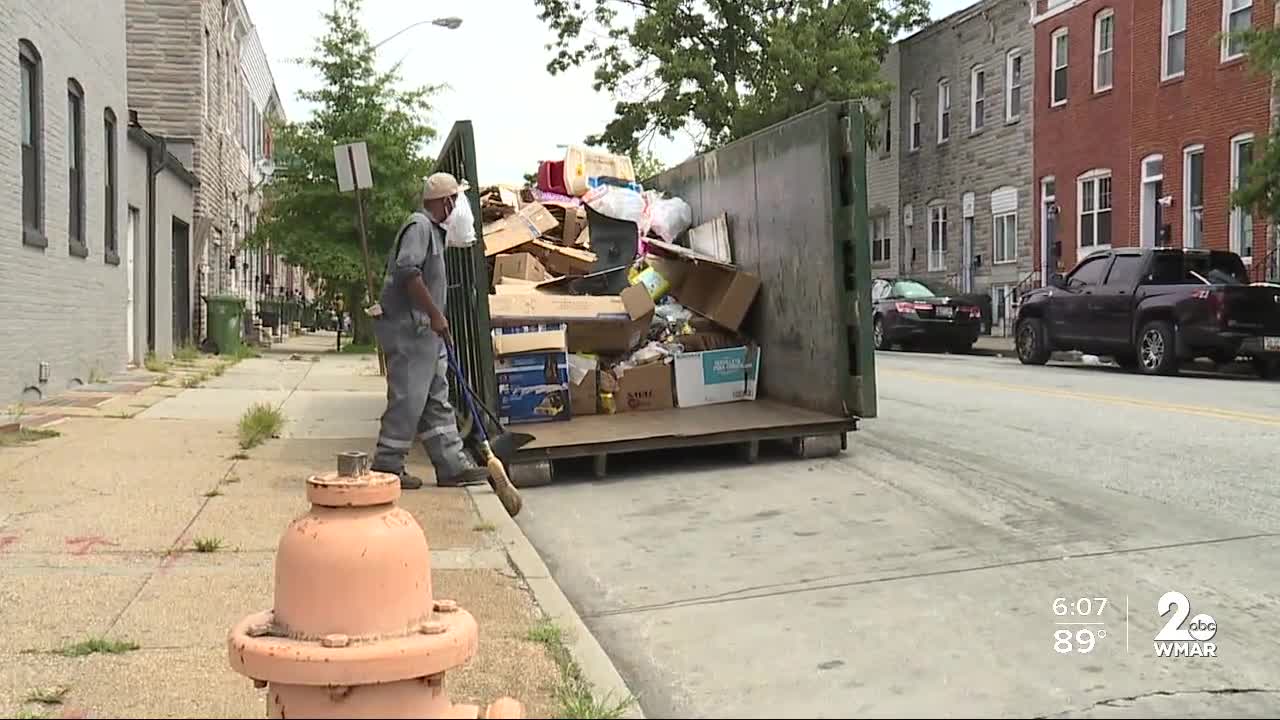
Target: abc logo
point(1202, 627)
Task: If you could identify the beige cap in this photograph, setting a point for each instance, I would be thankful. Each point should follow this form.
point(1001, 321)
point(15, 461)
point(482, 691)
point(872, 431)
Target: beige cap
point(441, 185)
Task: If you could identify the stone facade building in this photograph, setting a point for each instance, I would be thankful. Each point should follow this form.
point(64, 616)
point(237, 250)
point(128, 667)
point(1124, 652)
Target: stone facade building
point(63, 121)
point(883, 214)
point(965, 166)
point(199, 78)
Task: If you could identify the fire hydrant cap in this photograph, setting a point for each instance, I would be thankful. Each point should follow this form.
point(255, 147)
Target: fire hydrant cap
point(371, 488)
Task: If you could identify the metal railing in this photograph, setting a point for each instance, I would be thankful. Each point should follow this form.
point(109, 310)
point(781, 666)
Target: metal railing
point(1266, 268)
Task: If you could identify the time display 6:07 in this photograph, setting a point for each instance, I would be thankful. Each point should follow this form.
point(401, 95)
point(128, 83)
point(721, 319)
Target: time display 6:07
point(1080, 606)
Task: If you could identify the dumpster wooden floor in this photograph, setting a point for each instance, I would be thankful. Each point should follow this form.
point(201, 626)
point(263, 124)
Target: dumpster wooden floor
point(746, 423)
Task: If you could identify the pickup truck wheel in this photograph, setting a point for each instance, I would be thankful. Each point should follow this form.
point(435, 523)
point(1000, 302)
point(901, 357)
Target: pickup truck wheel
point(1157, 349)
point(1032, 343)
point(1266, 368)
point(881, 340)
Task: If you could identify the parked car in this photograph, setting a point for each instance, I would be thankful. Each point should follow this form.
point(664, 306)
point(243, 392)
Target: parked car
point(1153, 309)
point(913, 313)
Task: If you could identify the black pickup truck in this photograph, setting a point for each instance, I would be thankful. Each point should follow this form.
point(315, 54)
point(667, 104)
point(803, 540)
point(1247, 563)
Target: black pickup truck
point(1152, 309)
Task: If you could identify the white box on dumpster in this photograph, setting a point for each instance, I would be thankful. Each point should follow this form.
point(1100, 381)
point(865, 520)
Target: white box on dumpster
point(716, 376)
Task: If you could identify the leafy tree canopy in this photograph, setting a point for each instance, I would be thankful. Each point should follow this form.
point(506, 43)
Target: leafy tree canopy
point(305, 219)
point(722, 69)
point(1260, 191)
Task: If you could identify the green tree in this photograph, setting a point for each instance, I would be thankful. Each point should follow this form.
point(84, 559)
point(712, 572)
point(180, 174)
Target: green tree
point(646, 164)
point(722, 69)
point(1259, 191)
point(305, 219)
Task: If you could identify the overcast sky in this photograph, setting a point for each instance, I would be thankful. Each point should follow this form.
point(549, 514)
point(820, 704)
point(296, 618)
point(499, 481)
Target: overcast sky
point(494, 65)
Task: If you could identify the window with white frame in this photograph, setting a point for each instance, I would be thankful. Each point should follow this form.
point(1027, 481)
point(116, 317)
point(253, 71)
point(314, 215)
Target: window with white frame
point(915, 120)
point(1241, 218)
point(1058, 80)
point(1173, 48)
point(1193, 196)
point(1104, 42)
point(1094, 226)
point(937, 237)
point(1013, 85)
point(977, 98)
point(944, 110)
point(1237, 16)
point(881, 247)
point(1004, 224)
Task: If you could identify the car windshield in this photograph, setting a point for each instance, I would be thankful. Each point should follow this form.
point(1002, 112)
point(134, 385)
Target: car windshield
point(912, 289)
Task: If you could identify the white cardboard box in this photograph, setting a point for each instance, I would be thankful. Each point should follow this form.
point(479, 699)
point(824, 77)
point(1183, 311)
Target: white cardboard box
point(716, 376)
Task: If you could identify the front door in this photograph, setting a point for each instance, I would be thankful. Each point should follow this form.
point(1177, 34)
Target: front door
point(1074, 308)
point(130, 252)
point(966, 258)
point(181, 284)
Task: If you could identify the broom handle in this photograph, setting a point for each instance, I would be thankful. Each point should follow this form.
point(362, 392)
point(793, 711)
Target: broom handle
point(467, 393)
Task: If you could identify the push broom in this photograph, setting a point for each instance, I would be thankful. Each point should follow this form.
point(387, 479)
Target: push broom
point(506, 442)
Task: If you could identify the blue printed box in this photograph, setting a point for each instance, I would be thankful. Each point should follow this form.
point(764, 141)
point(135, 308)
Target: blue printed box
point(716, 376)
point(532, 368)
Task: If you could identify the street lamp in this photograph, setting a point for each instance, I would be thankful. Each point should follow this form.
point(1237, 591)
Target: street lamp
point(448, 23)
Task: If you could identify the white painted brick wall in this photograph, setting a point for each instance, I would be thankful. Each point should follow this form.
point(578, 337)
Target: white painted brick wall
point(64, 310)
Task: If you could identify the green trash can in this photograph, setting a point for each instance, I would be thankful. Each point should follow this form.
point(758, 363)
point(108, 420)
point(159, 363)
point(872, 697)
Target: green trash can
point(226, 316)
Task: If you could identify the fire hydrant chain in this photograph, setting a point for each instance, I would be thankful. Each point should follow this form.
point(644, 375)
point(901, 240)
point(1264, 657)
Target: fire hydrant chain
point(356, 631)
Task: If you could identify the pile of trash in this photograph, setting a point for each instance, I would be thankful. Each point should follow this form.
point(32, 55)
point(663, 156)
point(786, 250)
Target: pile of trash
point(606, 299)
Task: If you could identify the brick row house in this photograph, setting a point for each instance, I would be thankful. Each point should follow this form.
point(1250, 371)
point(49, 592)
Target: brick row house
point(1148, 114)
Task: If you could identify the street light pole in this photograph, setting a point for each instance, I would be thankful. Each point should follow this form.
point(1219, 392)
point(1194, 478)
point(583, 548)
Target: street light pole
point(448, 23)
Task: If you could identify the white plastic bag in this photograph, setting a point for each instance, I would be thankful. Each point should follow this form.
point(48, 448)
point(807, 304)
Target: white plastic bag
point(460, 226)
point(618, 203)
point(668, 217)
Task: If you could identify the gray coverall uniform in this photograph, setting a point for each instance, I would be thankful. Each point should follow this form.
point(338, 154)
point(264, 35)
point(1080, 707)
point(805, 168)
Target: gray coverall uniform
point(417, 367)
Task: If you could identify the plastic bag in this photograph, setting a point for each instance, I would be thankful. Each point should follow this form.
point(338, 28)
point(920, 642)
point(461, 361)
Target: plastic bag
point(668, 217)
point(460, 226)
point(616, 202)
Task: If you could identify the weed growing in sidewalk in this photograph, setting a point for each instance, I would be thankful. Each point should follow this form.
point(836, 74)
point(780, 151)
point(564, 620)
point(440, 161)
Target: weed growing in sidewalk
point(359, 348)
point(213, 493)
point(122, 415)
point(97, 645)
point(246, 351)
point(49, 695)
point(260, 423)
point(155, 364)
point(231, 480)
point(25, 436)
point(217, 370)
point(25, 714)
point(240, 456)
point(187, 353)
point(96, 376)
point(574, 694)
point(484, 527)
point(207, 544)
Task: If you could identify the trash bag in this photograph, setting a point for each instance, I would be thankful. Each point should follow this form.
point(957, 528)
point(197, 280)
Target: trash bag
point(618, 203)
point(460, 226)
point(668, 217)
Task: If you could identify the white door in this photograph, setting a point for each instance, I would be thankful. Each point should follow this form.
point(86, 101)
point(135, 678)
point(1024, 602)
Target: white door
point(130, 250)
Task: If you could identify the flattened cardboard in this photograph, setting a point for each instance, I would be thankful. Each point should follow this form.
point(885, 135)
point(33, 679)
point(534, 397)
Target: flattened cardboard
point(705, 285)
point(560, 260)
point(606, 324)
point(645, 387)
point(520, 266)
point(584, 393)
point(529, 338)
point(511, 232)
point(712, 239)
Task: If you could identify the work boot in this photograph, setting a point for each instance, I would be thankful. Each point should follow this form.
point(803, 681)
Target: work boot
point(407, 481)
point(469, 476)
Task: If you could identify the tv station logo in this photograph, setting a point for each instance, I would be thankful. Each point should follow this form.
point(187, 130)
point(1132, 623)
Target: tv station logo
point(1179, 638)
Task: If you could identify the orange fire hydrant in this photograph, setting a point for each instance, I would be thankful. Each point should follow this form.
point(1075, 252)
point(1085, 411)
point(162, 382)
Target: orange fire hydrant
point(356, 631)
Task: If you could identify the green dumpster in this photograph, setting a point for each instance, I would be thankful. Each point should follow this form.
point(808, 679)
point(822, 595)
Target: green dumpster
point(226, 315)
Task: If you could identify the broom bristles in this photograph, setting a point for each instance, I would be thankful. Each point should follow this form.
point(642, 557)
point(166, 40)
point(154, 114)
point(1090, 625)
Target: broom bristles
point(502, 486)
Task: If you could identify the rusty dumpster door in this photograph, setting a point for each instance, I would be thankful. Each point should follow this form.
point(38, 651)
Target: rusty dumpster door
point(468, 298)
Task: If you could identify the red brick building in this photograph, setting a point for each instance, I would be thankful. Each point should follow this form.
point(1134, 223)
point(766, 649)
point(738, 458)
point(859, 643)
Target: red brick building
point(1143, 117)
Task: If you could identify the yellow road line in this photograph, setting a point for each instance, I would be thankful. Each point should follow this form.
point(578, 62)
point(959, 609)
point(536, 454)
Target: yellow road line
point(1196, 410)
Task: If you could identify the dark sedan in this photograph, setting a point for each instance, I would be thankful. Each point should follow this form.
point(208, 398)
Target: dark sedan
point(912, 313)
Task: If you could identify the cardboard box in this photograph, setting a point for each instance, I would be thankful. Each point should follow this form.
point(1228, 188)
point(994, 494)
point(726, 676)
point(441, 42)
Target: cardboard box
point(532, 370)
point(645, 387)
point(716, 376)
point(596, 324)
point(711, 288)
point(520, 266)
point(511, 232)
point(583, 384)
point(575, 221)
point(560, 260)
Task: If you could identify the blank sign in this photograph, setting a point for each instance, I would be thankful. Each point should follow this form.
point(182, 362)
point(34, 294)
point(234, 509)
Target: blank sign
point(352, 161)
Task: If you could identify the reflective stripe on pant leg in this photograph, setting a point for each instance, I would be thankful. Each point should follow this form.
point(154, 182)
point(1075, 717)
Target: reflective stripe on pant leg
point(438, 426)
point(408, 383)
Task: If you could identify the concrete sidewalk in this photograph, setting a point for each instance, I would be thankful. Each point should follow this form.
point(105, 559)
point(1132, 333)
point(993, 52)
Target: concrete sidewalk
point(99, 524)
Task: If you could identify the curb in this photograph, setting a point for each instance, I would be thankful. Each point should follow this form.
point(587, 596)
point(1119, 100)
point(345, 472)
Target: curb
point(593, 661)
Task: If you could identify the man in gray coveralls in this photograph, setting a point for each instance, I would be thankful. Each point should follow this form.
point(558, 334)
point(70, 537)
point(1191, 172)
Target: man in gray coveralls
point(412, 330)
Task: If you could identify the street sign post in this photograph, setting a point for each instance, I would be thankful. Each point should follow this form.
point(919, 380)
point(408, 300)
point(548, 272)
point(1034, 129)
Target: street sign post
point(354, 175)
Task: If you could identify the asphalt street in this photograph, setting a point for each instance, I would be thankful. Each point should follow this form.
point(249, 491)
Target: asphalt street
point(917, 573)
